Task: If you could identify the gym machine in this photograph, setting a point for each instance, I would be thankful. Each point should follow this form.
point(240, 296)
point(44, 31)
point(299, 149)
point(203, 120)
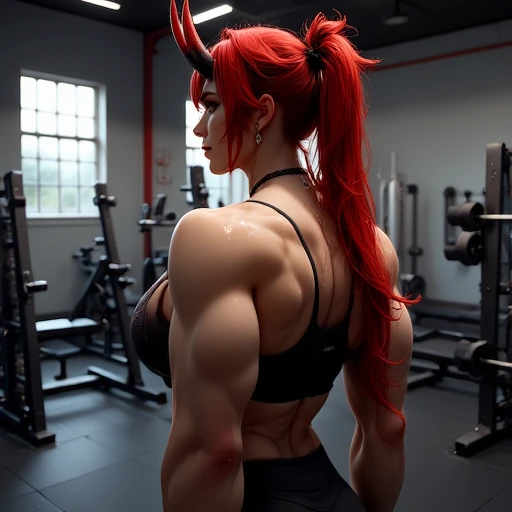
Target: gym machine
point(490, 359)
point(391, 220)
point(198, 189)
point(21, 402)
point(99, 304)
point(155, 218)
point(96, 304)
point(432, 361)
point(461, 313)
point(413, 283)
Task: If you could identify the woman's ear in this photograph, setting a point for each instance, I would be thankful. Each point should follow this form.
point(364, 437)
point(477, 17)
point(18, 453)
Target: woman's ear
point(267, 110)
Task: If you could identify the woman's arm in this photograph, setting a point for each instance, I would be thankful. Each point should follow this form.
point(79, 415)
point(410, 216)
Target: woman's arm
point(377, 455)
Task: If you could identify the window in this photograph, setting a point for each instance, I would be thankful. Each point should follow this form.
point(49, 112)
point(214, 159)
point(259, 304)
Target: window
point(228, 188)
point(59, 147)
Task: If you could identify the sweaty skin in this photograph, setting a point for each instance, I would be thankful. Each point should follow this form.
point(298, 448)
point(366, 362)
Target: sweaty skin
point(283, 296)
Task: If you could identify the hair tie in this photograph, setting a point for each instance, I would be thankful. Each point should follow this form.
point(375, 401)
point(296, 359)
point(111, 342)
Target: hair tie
point(314, 59)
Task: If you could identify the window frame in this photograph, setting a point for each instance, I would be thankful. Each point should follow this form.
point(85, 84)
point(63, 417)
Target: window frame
point(60, 218)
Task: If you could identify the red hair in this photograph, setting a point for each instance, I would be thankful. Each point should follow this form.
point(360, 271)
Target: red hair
point(253, 61)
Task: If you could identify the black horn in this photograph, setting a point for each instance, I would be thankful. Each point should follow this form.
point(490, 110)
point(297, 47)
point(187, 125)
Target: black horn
point(189, 42)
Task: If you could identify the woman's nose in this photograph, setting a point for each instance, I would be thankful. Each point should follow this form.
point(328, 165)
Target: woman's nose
point(200, 129)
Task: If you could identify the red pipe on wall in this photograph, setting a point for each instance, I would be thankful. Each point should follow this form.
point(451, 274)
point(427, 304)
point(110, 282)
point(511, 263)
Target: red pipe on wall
point(443, 56)
point(150, 42)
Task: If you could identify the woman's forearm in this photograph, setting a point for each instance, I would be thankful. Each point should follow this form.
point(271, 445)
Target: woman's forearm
point(377, 471)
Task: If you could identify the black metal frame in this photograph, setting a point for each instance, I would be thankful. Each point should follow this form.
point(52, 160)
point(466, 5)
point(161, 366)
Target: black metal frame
point(491, 427)
point(23, 407)
point(99, 279)
point(197, 187)
point(23, 412)
point(154, 218)
point(428, 374)
point(134, 383)
point(414, 251)
point(449, 230)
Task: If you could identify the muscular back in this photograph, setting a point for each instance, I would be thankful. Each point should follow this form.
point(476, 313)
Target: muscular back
point(284, 304)
point(283, 297)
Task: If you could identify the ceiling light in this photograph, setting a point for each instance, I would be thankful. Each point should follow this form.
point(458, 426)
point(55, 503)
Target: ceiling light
point(104, 3)
point(396, 19)
point(212, 13)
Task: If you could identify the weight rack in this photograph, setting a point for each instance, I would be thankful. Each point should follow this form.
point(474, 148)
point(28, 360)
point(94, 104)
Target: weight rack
point(22, 404)
point(494, 419)
point(21, 388)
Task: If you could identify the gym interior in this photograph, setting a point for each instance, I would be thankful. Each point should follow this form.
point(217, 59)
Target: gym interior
point(99, 161)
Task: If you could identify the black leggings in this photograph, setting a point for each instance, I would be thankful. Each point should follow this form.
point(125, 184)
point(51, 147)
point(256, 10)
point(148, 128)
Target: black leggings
point(309, 483)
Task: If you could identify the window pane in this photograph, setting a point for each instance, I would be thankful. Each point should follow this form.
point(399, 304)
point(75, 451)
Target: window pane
point(49, 199)
point(86, 101)
point(29, 170)
point(212, 181)
point(31, 198)
point(191, 140)
point(87, 151)
point(28, 146)
point(28, 120)
point(49, 172)
point(200, 159)
point(87, 174)
point(66, 96)
point(28, 92)
point(69, 173)
point(69, 199)
point(68, 149)
point(192, 115)
point(46, 123)
point(189, 160)
point(48, 148)
point(67, 126)
point(86, 127)
point(46, 96)
point(224, 180)
point(86, 200)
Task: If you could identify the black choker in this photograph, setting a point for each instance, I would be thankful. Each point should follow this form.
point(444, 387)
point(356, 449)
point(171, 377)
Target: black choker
point(282, 172)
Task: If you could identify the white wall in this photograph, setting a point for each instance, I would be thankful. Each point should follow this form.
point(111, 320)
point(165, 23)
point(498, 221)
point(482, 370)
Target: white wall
point(48, 41)
point(438, 117)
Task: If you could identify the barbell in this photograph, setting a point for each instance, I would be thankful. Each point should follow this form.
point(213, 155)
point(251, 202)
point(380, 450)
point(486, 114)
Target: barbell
point(471, 217)
point(475, 357)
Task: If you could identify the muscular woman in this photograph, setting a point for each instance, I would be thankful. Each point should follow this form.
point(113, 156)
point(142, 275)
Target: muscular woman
point(266, 301)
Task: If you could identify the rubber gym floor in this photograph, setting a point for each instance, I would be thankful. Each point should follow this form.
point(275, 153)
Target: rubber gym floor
point(109, 447)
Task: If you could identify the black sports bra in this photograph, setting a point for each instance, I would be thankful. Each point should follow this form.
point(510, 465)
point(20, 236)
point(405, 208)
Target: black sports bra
point(310, 367)
point(307, 369)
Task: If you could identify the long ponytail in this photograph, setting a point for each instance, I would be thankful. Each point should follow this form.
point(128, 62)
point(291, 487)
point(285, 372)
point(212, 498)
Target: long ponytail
point(345, 193)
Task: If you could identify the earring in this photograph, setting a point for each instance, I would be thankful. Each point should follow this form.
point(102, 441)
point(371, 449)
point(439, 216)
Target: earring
point(258, 134)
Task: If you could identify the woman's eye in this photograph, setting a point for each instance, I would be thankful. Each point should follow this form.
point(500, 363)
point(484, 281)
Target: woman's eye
point(210, 107)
